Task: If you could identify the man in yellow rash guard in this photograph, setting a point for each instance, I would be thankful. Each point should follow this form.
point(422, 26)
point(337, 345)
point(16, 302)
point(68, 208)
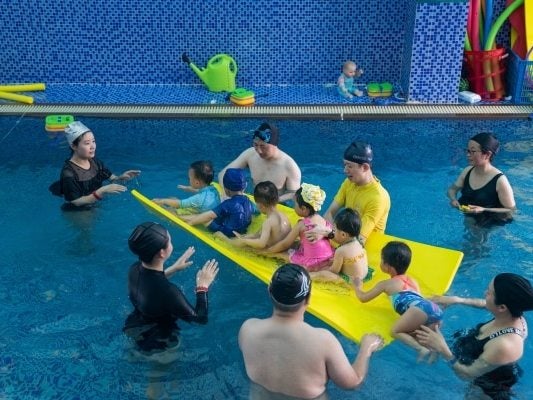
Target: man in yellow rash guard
point(361, 191)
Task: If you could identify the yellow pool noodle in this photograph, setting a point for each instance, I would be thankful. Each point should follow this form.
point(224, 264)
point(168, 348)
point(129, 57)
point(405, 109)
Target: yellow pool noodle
point(16, 97)
point(27, 87)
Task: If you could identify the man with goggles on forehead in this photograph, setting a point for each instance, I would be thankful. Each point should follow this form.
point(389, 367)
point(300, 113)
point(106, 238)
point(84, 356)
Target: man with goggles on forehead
point(267, 162)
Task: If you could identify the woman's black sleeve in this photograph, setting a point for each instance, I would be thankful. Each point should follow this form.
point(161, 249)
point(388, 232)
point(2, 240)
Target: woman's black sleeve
point(182, 309)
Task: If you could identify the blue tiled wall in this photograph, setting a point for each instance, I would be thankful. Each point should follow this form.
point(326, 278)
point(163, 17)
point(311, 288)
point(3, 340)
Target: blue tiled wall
point(435, 51)
point(273, 41)
point(116, 41)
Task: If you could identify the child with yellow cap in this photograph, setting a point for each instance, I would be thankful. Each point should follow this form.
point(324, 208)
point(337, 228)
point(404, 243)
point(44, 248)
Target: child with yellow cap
point(313, 256)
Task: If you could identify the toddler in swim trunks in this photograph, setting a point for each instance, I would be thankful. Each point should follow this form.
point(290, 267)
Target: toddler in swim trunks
point(405, 296)
point(313, 256)
point(345, 82)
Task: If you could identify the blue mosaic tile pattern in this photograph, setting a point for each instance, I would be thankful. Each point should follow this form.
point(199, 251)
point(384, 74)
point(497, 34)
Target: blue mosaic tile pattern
point(115, 44)
point(192, 94)
point(437, 52)
point(408, 47)
point(141, 42)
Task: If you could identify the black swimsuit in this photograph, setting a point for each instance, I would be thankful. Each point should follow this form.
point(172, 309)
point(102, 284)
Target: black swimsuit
point(487, 197)
point(76, 182)
point(158, 305)
point(498, 382)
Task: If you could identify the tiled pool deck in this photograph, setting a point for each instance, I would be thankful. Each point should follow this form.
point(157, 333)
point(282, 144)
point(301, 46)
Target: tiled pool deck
point(314, 101)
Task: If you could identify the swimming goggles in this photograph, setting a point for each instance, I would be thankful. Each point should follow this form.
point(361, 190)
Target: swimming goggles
point(265, 135)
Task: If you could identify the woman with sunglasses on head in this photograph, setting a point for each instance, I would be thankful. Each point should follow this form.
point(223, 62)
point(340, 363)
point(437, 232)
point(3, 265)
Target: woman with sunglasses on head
point(267, 162)
point(157, 302)
point(486, 194)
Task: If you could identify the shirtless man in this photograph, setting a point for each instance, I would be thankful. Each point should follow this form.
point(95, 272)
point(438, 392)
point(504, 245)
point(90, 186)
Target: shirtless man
point(267, 162)
point(283, 354)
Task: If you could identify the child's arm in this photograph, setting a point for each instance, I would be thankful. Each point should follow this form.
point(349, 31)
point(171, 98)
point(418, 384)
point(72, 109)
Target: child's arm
point(285, 243)
point(188, 188)
point(381, 287)
point(202, 218)
point(168, 202)
point(259, 241)
point(338, 261)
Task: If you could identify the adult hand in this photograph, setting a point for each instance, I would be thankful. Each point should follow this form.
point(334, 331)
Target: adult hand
point(207, 274)
point(455, 203)
point(372, 342)
point(188, 188)
point(112, 188)
point(432, 339)
point(317, 233)
point(132, 173)
point(183, 261)
point(474, 209)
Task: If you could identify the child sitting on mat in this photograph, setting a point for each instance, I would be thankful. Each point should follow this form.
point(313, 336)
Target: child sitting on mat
point(233, 214)
point(206, 196)
point(350, 261)
point(311, 255)
point(276, 225)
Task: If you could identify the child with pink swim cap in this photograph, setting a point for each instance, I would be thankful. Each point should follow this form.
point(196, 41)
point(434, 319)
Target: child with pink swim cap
point(313, 256)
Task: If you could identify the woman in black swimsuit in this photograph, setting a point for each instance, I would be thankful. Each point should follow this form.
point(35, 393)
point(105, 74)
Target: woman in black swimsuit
point(486, 194)
point(157, 302)
point(488, 354)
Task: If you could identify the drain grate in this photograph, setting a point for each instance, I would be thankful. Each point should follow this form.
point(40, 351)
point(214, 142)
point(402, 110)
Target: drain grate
point(366, 111)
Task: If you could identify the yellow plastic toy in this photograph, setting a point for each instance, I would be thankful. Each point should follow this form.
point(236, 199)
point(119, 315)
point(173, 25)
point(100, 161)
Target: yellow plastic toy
point(242, 97)
point(6, 92)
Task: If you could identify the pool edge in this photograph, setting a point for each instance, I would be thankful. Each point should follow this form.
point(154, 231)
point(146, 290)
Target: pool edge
point(298, 111)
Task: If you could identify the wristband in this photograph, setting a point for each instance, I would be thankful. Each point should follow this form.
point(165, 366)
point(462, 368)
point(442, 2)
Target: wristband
point(201, 289)
point(96, 195)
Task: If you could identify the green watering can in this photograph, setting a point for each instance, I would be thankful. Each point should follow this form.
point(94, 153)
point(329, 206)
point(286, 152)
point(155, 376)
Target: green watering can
point(219, 75)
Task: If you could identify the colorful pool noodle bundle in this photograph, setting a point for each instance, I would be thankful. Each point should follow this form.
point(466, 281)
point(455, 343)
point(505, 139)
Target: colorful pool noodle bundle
point(491, 68)
point(6, 92)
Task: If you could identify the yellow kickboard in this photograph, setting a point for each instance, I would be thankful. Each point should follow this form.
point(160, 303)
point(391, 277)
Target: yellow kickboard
point(433, 267)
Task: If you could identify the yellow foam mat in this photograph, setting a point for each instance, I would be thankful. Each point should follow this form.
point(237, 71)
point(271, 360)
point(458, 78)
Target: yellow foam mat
point(335, 304)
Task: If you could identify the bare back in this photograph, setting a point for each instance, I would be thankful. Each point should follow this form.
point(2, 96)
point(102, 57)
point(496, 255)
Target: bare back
point(288, 357)
point(354, 259)
point(279, 226)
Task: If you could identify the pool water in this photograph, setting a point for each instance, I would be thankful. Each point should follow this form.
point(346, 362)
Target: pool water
point(63, 276)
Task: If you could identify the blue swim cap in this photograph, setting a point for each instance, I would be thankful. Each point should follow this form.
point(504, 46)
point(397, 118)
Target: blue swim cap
point(234, 179)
